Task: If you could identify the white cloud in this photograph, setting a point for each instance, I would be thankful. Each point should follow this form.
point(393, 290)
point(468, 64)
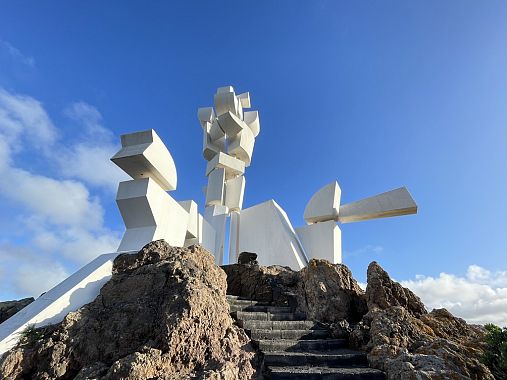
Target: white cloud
point(60, 220)
point(89, 159)
point(478, 297)
point(16, 54)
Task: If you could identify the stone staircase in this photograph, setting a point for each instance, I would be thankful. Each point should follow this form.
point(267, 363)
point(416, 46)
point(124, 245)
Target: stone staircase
point(296, 348)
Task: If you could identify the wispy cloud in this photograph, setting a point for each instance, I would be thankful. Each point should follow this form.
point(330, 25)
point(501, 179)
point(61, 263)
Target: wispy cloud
point(16, 54)
point(60, 218)
point(367, 249)
point(479, 297)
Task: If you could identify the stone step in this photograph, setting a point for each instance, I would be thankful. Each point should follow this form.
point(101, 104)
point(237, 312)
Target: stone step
point(267, 345)
point(325, 373)
point(280, 325)
point(238, 302)
point(261, 316)
point(288, 334)
point(335, 358)
point(261, 308)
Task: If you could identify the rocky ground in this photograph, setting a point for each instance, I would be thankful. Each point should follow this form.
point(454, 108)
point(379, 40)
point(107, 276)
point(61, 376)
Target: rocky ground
point(387, 321)
point(163, 315)
point(9, 308)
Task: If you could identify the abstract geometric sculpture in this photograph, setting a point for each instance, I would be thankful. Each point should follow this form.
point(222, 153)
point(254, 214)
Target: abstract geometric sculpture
point(321, 238)
point(150, 213)
point(228, 143)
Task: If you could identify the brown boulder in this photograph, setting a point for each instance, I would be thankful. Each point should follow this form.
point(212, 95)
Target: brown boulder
point(162, 315)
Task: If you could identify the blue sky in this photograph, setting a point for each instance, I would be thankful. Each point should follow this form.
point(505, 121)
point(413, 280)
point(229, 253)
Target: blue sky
point(373, 94)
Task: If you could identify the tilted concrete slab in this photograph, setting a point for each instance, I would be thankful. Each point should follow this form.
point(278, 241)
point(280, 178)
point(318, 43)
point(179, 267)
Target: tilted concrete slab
point(77, 290)
point(391, 203)
point(149, 213)
point(144, 155)
point(233, 167)
point(266, 230)
point(322, 241)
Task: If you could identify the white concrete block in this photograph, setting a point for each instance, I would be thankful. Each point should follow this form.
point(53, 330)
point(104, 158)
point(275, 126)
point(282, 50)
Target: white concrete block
point(149, 213)
point(226, 102)
point(209, 150)
point(266, 230)
point(144, 155)
point(244, 99)
point(193, 218)
point(77, 290)
point(242, 145)
point(324, 204)
point(216, 216)
point(207, 235)
point(206, 114)
point(251, 119)
point(391, 203)
point(231, 124)
point(215, 189)
point(322, 241)
point(234, 191)
point(225, 89)
point(215, 132)
point(233, 167)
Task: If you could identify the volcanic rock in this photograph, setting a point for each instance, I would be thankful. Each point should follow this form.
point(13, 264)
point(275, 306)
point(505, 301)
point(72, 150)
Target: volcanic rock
point(163, 315)
point(406, 342)
point(9, 308)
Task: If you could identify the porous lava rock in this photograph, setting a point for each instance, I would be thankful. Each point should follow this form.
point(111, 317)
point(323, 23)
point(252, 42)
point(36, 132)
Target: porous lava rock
point(163, 315)
point(9, 308)
point(407, 342)
point(325, 292)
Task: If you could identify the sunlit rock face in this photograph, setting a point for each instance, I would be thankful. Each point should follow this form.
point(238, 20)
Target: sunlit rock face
point(407, 342)
point(162, 315)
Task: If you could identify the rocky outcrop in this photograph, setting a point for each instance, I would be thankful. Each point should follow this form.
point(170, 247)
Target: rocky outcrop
point(406, 342)
point(163, 315)
point(325, 292)
point(382, 293)
point(9, 308)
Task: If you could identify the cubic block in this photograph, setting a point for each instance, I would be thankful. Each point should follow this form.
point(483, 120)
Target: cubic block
point(149, 213)
point(210, 149)
point(266, 230)
point(242, 145)
point(215, 189)
point(321, 241)
point(226, 102)
point(251, 118)
point(144, 155)
point(244, 99)
point(206, 115)
point(234, 191)
point(231, 124)
point(215, 132)
point(233, 167)
point(391, 203)
point(324, 204)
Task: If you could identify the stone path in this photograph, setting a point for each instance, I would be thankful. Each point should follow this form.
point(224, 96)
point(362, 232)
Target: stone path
point(296, 348)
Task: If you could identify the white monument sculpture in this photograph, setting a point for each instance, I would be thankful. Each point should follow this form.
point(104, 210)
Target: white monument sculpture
point(150, 213)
